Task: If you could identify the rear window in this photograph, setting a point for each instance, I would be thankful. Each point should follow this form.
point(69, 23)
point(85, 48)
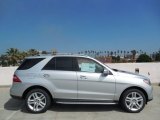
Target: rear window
point(28, 63)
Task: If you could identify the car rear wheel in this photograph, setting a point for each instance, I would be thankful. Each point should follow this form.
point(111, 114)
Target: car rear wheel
point(37, 101)
point(133, 100)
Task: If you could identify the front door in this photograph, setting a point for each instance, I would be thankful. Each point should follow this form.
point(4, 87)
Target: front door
point(92, 84)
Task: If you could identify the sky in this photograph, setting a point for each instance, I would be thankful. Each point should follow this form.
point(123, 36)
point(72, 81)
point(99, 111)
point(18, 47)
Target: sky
point(78, 25)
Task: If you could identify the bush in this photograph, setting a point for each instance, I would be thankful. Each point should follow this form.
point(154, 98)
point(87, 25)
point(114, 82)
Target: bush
point(144, 58)
point(157, 58)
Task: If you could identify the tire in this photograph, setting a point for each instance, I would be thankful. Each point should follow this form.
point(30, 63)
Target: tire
point(133, 100)
point(37, 101)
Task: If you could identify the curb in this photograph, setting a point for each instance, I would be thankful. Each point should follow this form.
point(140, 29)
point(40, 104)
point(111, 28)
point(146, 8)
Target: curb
point(5, 86)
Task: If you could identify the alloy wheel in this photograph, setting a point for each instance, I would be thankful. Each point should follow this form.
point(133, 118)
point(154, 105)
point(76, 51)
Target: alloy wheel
point(36, 101)
point(134, 101)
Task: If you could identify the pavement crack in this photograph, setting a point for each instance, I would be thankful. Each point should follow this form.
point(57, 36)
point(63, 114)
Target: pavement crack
point(11, 115)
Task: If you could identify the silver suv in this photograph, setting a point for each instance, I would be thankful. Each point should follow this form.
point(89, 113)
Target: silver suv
point(76, 79)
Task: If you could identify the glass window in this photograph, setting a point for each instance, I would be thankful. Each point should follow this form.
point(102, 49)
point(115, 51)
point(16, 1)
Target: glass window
point(61, 63)
point(88, 65)
point(28, 63)
point(64, 63)
point(51, 65)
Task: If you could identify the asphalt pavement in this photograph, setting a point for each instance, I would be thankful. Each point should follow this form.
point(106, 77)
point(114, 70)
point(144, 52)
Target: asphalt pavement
point(11, 109)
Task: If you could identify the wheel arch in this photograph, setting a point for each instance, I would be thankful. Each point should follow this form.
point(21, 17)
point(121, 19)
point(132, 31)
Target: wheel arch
point(135, 87)
point(36, 87)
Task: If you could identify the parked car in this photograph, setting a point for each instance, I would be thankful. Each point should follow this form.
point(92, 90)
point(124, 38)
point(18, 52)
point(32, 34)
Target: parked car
point(77, 79)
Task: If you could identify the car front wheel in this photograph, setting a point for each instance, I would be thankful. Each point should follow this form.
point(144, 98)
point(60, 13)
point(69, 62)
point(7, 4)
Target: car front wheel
point(133, 100)
point(37, 101)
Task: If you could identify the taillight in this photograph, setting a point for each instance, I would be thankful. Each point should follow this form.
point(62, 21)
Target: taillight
point(16, 79)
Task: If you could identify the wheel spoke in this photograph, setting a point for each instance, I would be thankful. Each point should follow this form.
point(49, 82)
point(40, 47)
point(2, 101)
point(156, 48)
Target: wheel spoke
point(34, 95)
point(131, 105)
point(128, 99)
point(42, 104)
point(133, 94)
point(34, 106)
point(42, 97)
point(37, 107)
point(137, 106)
point(31, 102)
point(140, 99)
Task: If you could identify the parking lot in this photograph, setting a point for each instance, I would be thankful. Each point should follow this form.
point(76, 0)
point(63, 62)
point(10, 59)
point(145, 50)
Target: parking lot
point(11, 109)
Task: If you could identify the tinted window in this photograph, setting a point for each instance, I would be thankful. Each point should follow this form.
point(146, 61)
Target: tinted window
point(61, 63)
point(51, 65)
point(64, 63)
point(87, 65)
point(28, 63)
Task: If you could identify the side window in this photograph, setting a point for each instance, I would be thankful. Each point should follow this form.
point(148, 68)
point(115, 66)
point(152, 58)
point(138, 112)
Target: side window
point(51, 65)
point(87, 65)
point(29, 63)
point(64, 63)
point(61, 63)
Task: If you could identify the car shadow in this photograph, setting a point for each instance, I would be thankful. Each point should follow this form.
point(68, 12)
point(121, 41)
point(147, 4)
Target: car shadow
point(14, 104)
point(84, 108)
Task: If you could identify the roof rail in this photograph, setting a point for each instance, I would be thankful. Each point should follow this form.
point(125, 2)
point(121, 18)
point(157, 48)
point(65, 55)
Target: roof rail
point(68, 54)
point(50, 53)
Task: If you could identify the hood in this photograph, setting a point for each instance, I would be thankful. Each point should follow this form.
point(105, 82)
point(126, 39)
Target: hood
point(129, 74)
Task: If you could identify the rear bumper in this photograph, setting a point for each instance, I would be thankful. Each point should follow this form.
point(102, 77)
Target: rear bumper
point(17, 89)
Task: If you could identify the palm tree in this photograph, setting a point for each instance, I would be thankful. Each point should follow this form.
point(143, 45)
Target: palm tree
point(3, 60)
point(153, 55)
point(141, 52)
point(127, 54)
point(111, 53)
point(81, 52)
point(118, 52)
point(13, 56)
point(115, 53)
point(133, 54)
point(124, 53)
point(44, 52)
point(108, 53)
point(32, 52)
point(85, 52)
point(121, 52)
point(23, 55)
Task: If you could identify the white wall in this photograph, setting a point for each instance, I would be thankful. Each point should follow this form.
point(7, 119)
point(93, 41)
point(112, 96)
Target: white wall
point(151, 70)
point(6, 73)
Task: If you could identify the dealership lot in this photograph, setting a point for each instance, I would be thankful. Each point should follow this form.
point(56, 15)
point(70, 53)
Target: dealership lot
point(11, 109)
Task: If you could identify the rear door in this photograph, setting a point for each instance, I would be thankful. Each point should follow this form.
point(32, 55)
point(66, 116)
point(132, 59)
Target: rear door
point(61, 72)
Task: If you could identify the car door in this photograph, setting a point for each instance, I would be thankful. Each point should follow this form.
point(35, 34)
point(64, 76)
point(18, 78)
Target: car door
point(60, 71)
point(92, 84)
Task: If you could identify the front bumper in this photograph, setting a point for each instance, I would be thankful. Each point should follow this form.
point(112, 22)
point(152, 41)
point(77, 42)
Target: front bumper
point(150, 93)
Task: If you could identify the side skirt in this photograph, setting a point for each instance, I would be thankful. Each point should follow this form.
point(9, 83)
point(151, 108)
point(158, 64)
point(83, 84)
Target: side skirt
point(80, 101)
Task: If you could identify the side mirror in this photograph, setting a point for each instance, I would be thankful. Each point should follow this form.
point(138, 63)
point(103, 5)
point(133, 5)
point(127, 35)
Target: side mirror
point(106, 72)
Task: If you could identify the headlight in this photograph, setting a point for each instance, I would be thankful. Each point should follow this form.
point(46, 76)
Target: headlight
point(147, 81)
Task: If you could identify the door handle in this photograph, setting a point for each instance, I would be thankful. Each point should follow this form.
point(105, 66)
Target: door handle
point(83, 77)
point(46, 75)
